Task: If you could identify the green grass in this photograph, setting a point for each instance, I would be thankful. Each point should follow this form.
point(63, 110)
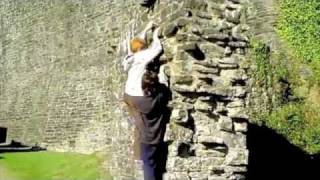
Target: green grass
point(299, 26)
point(298, 120)
point(52, 166)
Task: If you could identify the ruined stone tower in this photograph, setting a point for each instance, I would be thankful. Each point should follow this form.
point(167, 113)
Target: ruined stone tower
point(61, 83)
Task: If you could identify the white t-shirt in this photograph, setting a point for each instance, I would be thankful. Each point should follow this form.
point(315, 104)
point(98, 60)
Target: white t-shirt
point(139, 62)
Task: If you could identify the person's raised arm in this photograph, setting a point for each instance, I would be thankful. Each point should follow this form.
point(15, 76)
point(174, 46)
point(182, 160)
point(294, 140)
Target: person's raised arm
point(143, 34)
point(153, 51)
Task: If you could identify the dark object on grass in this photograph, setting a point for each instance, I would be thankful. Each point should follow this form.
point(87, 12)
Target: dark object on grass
point(3, 134)
point(148, 3)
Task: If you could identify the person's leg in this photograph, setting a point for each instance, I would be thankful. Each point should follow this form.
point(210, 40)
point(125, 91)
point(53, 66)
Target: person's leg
point(136, 144)
point(149, 164)
point(161, 159)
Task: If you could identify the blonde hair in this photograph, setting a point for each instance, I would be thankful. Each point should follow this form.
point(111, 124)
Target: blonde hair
point(137, 44)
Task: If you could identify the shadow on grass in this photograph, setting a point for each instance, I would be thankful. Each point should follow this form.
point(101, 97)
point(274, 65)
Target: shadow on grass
point(15, 146)
point(273, 157)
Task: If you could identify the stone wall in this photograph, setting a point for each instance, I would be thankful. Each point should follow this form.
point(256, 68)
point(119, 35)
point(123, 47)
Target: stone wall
point(61, 83)
point(60, 78)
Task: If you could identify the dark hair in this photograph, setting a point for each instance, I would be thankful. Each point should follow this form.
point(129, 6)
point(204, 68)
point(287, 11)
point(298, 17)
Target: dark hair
point(149, 82)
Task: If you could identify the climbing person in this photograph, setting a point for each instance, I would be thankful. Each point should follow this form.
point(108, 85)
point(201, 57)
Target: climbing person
point(146, 95)
point(139, 56)
point(154, 115)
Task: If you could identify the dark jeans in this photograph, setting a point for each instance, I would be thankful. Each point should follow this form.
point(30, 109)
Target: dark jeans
point(153, 160)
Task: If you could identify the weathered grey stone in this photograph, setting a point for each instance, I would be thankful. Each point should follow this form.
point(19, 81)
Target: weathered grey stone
point(180, 116)
point(228, 60)
point(237, 177)
point(202, 151)
point(183, 21)
point(178, 133)
point(203, 175)
point(237, 112)
point(209, 139)
point(221, 108)
point(176, 176)
point(184, 88)
point(182, 37)
point(203, 69)
point(204, 15)
point(208, 162)
point(236, 157)
point(216, 37)
point(238, 44)
point(240, 126)
point(196, 4)
point(212, 50)
point(227, 51)
point(238, 33)
point(235, 169)
point(235, 1)
point(236, 103)
point(203, 106)
point(191, 164)
point(233, 140)
point(225, 123)
point(188, 46)
point(233, 16)
point(217, 178)
point(170, 30)
point(181, 79)
point(208, 62)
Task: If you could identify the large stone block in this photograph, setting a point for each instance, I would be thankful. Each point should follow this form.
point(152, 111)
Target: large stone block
point(237, 157)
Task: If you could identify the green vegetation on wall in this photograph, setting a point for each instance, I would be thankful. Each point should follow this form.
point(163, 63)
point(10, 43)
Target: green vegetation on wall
point(287, 80)
point(299, 26)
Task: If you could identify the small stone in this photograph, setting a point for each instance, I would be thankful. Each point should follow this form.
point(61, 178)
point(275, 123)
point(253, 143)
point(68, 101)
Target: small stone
point(233, 16)
point(216, 37)
point(196, 4)
point(228, 60)
point(228, 66)
point(188, 46)
point(176, 176)
point(183, 21)
point(235, 169)
point(203, 106)
point(233, 140)
point(182, 79)
point(182, 37)
point(211, 161)
point(202, 175)
point(236, 104)
point(180, 116)
point(170, 30)
point(240, 126)
point(237, 156)
point(211, 30)
point(205, 70)
point(210, 139)
point(235, 1)
point(225, 123)
point(184, 88)
point(217, 178)
point(203, 151)
point(213, 63)
point(204, 15)
point(227, 51)
point(238, 44)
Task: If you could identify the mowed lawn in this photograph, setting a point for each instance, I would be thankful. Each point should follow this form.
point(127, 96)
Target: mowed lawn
point(51, 166)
